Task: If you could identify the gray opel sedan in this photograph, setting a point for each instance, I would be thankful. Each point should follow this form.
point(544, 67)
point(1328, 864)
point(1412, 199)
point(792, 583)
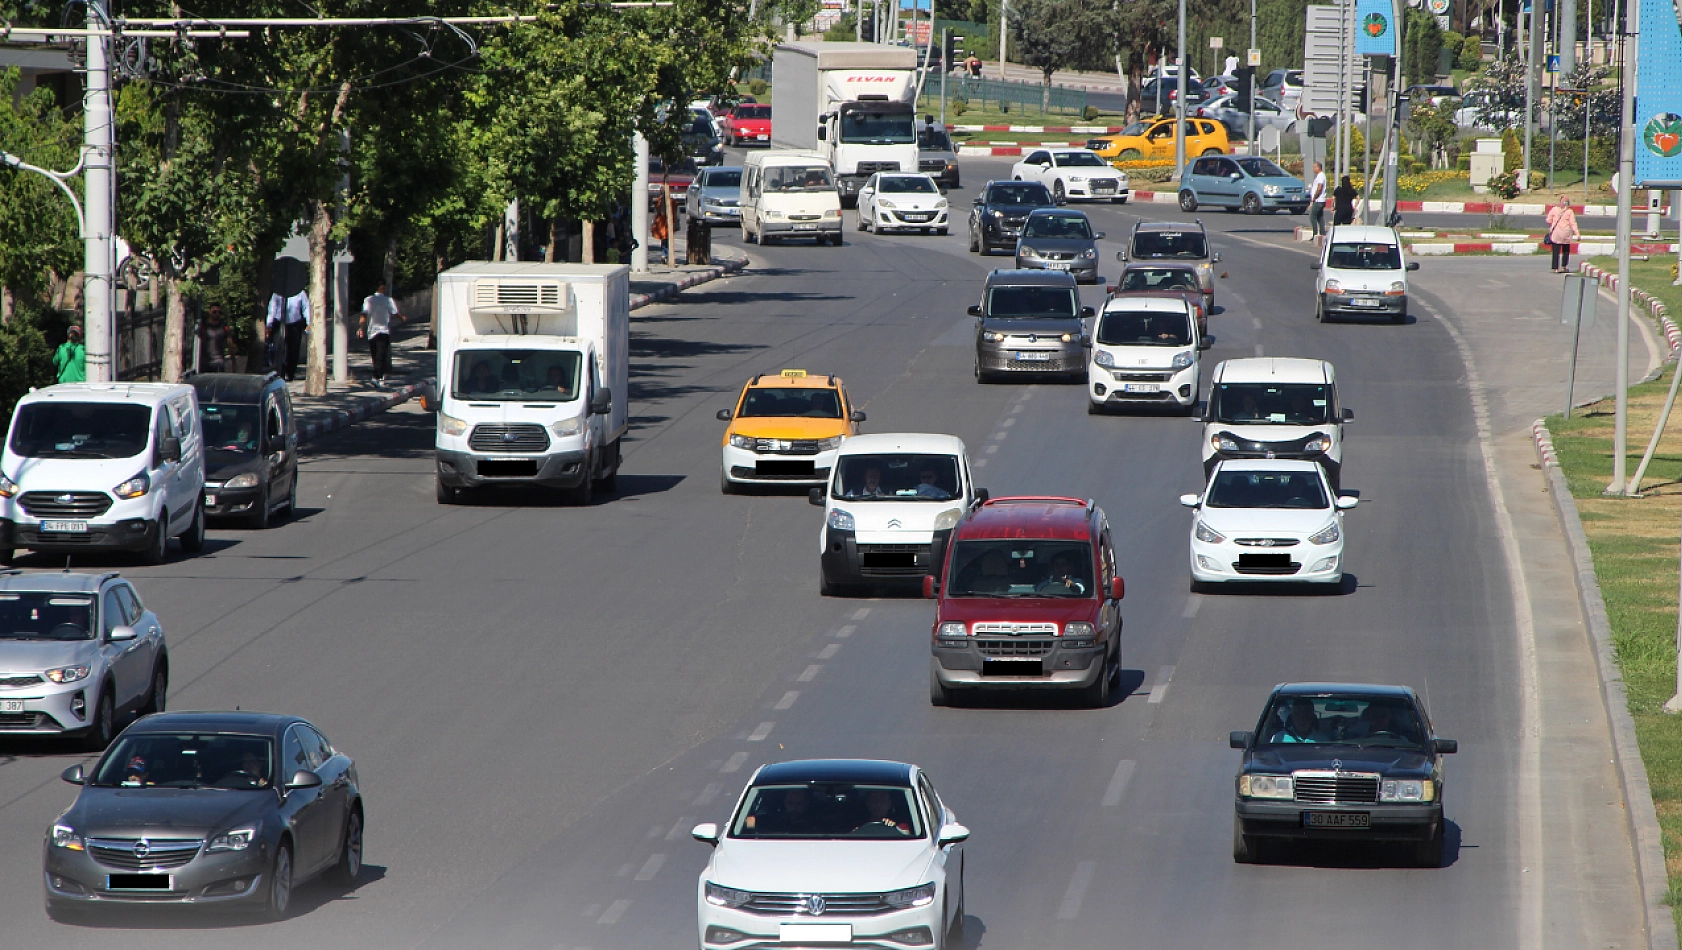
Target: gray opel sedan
point(206, 808)
point(1059, 239)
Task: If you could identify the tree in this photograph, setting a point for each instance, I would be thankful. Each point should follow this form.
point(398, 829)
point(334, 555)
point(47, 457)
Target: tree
point(37, 219)
point(1054, 34)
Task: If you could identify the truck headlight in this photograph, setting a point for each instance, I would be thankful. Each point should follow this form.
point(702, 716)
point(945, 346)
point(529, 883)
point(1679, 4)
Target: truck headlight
point(1407, 790)
point(1317, 443)
point(67, 674)
point(1182, 359)
point(833, 442)
point(1208, 535)
point(8, 488)
point(988, 336)
point(243, 480)
point(952, 630)
point(1067, 338)
point(1079, 634)
point(744, 442)
point(948, 519)
point(840, 520)
point(1103, 358)
point(832, 213)
point(1397, 287)
point(770, 213)
point(1223, 443)
point(1327, 535)
point(566, 427)
point(1266, 786)
point(134, 487)
point(450, 425)
point(1027, 251)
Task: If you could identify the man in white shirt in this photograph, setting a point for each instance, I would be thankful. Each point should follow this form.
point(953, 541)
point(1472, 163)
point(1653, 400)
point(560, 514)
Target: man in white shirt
point(1231, 65)
point(378, 310)
point(1317, 203)
point(294, 316)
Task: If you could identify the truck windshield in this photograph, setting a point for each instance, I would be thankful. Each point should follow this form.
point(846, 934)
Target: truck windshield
point(794, 178)
point(1020, 567)
point(81, 430)
point(517, 375)
point(898, 478)
point(878, 128)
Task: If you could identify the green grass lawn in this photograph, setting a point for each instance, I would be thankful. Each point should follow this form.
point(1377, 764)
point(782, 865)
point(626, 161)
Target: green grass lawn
point(1652, 276)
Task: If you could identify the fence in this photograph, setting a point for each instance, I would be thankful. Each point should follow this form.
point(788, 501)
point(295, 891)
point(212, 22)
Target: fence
point(140, 344)
point(1007, 96)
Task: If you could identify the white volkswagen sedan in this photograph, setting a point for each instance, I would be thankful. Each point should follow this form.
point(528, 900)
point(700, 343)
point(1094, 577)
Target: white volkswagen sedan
point(834, 852)
point(1266, 520)
point(901, 201)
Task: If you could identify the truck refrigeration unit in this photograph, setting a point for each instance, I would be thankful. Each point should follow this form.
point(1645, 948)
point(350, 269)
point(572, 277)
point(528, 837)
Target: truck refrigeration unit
point(853, 103)
point(533, 373)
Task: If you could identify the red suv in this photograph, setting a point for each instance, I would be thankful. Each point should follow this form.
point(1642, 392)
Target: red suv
point(1027, 598)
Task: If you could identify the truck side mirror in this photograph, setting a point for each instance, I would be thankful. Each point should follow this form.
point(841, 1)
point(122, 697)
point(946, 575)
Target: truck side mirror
point(1238, 740)
point(1347, 415)
point(815, 495)
point(929, 586)
point(823, 134)
point(1118, 588)
point(1121, 256)
point(601, 402)
point(169, 449)
point(1413, 265)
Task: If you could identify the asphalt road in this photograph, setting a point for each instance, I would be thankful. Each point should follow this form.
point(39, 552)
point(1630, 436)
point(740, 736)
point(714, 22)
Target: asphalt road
point(543, 700)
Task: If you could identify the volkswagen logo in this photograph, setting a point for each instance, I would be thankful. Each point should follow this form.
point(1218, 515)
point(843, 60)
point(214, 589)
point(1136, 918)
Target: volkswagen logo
point(815, 905)
point(141, 849)
point(65, 499)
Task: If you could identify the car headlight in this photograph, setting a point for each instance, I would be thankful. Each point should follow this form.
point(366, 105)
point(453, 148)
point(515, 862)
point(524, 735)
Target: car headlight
point(1397, 287)
point(743, 442)
point(8, 488)
point(1090, 253)
point(67, 674)
point(833, 442)
point(1327, 535)
point(566, 427)
point(236, 839)
point(1318, 443)
point(948, 519)
point(1334, 287)
point(1068, 338)
point(885, 203)
point(1121, 180)
point(832, 213)
point(997, 214)
point(1103, 358)
point(1078, 634)
point(1182, 359)
point(1206, 268)
point(840, 520)
point(713, 202)
point(940, 205)
point(952, 630)
point(726, 896)
point(65, 836)
point(1027, 251)
point(1270, 190)
point(1266, 786)
point(1223, 443)
point(245, 480)
point(919, 896)
point(989, 336)
point(1208, 535)
point(134, 487)
point(1077, 177)
point(769, 213)
point(1407, 790)
point(450, 425)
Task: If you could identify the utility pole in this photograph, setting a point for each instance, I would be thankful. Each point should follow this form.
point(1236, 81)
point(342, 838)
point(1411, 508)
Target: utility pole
point(1004, 31)
point(1180, 102)
point(1251, 64)
point(858, 23)
point(1532, 79)
point(1393, 108)
point(945, 68)
point(639, 207)
point(99, 193)
point(1626, 190)
point(341, 277)
point(1566, 14)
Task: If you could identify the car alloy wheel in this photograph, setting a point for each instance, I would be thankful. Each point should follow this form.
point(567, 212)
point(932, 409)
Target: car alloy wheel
point(1057, 194)
point(104, 723)
point(349, 866)
point(280, 884)
point(158, 550)
point(192, 541)
point(260, 511)
point(1252, 204)
point(1188, 201)
point(157, 700)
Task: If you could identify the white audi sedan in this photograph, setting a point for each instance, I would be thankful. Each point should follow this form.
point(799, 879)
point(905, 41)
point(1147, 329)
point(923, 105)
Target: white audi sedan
point(834, 852)
point(1266, 520)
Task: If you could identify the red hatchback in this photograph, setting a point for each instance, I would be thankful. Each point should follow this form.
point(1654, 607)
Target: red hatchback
point(1027, 598)
point(749, 122)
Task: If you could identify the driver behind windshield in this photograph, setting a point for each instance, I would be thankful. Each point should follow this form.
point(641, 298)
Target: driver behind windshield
point(481, 379)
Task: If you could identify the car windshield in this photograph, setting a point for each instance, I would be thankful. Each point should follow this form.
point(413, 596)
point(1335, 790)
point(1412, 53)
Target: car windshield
point(789, 178)
point(87, 430)
point(1186, 245)
point(1250, 489)
point(752, 112)
point(1033, 303)
point(1364, 256)
point(1034, 195)
point(1291, 404)
point(1144, 328)
point(40, 615)
point(906, 185)
point(229, 428)
point(187, 760)
point(680, 168)
point(1137, 128)
point(1364, 721)
point(1071, 226)
point(934, 140)
point(878, 128)
point(517, 375)
point(1020, 568)
point(1079, 160)
point(768, 401)
point(828, 810)
point(1262, 168)
point(898, 478)
point(724, 178)
point(1138, 279)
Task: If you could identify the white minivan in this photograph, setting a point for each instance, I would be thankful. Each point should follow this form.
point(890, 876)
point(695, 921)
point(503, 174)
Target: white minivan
point(789, 194)
point(891, 502)
point(1275, 408)
point(1145, 352)
point(1362, 271)
point(103, 466)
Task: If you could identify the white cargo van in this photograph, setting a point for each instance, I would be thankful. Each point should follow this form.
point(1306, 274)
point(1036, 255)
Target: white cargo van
point(533, 373)
point(789, 194)
point(1275, 408)
point(103, 467)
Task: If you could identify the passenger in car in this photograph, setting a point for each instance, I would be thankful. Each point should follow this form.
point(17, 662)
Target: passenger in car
point(1302, 725)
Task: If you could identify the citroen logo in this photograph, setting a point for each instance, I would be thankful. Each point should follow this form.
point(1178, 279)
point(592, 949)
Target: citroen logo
point(894, 523)
point(141, 849)
point(65, 499)
point(815, 905)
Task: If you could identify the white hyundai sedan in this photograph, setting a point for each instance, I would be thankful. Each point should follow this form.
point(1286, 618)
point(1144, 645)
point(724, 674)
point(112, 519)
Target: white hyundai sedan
point(834, 852)
point(1266, 520)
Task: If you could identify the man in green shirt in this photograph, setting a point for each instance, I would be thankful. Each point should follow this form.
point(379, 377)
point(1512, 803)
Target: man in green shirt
point(71, 359)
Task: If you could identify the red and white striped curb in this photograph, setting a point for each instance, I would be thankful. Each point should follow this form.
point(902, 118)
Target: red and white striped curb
point(1042, 129)
point(1654, 306)
point(1586, 248)
point(1451, 207)
point(1016, 148)
point(729, 266)
point(1544, 444)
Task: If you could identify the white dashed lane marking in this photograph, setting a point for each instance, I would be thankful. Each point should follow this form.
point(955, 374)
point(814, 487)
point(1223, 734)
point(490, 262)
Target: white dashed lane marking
point(708, 794)
point(1009, 421)
point(614, 911)
point(1255, 322)
point(788, 699)
point(1192, 607)
point(650, 867)
point(846, 631)
point(761, 731)
point(681, 828)
point(829, 651)
point(861, 613)
point(809, 674)
point(1118, 783)
point(1160, 690)
point(735, 762)
point(1070, 908)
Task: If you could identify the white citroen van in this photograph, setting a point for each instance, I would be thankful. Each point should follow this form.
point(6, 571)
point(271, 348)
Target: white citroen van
point(1275, 408)
point(891, 502)
point(103, 467)
point(789, 194)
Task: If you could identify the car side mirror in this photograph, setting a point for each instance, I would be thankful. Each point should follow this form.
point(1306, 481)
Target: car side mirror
point(1446, 746)
point(1347, 415)
point(979, 200)
point(1413, 265)
point(982, 495)
point(815, 496)
point(706, 833)
point(1190, 501)
point(122, 632)
point(601, 402)
point(1238, 740)
point(857, 415)
point(1216, 258)
point(930, 586)
point(952, 834)
point(1313, 265)
point(1098, 236)
point(974, 310)
point(169, 449)
point(74, 775)
point(1087, 311)
point(303, 778)
point(1118, 588)
point(1346, 502)
point(1205, 342)
point(725, 415)
point(429, 396)
point(1121, 256)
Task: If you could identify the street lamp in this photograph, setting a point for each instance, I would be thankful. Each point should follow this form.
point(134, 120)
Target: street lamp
point(12, 161)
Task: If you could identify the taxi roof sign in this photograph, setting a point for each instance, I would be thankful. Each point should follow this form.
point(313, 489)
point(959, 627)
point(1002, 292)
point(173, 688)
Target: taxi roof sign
point(794, 374)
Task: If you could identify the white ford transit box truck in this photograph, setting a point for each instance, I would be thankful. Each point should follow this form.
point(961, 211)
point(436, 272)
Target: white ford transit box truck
point(533, 372)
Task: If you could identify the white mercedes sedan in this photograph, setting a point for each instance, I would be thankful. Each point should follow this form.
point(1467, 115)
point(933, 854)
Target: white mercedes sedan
point(1266, 520)
point(834, 853)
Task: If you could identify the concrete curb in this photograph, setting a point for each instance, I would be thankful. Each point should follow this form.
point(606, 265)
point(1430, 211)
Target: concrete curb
point(1632, 772)
point(1586, 248)
point(314, 425)
point(1654, 306)
point(1042, 129)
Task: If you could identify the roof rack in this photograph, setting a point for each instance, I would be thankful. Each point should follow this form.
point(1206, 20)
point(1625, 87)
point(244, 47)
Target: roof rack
point(1039, 500)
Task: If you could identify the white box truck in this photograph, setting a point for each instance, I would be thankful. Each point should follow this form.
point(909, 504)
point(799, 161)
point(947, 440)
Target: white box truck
point(533, 373)
point(853, 103)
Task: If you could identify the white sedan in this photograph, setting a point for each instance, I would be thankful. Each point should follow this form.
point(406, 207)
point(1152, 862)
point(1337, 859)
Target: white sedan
point(902, 201)
point(1267, 520)
point(1072, 173)
point(838, 852)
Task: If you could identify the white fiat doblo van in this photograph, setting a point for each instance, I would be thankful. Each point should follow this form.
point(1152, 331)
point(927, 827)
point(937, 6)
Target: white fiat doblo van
point(1275, 408)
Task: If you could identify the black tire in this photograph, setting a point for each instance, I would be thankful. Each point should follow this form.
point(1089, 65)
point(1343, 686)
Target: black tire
point(609, 483)
point(1400, 317)
point(835, 239)
point(1057, 194)
point(940, 232)
point(1246, 849)
point(64, 912)
point(1188, 201)
point(1320, 311)
point(1201, 587)
point(749, 237)
point(1097, 696)
point(259, 520)
point(1213, 151)
point(8, 557)
point(861, 226)
point(1429, 853)
point(348, 868)
point(157, 697)
point(1094, 408)
point(1252, 204)
point(279, 899)
point(939, 693)
point(104, 726)
point(292, 497)
point(1129, 155)
point(974, 245)
point(158, 550)
point(1118, 201)
point(192, 540)
point(584, 494)
point(725, 485)
point(446, 494)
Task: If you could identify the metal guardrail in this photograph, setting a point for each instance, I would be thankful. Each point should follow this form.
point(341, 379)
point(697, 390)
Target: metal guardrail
point(1010, 96)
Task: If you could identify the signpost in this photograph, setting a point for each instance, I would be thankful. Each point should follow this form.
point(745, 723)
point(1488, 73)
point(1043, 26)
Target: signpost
point(1576, 310)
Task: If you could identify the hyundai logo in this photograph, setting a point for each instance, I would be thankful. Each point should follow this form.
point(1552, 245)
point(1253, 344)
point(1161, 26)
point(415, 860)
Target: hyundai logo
point(141, 849)
point(65, 499)
point(815, 905)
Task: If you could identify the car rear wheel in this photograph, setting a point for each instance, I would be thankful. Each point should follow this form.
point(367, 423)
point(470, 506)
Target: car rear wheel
point(1252, 204)
point(1188, 201)
point(1246, 849)
point(1129, 155)
point(1213, 151)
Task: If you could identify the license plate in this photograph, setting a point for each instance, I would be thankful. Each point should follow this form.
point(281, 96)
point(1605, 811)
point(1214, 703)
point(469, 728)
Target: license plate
point(137, 882)
point(1140, 388)
point(762, 138)
point(1034, 356)
point(66, 527)
point(1336, 819)
point(11, 705)
point(805, 227)
point(1362, 302)
point(210, 500)
point(815, 933)
point(1056, 265)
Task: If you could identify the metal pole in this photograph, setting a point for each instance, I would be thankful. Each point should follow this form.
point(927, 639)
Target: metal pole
point(858, 23)
point(99, 193)
point(1180, 102)
point(1626, 190)
point(1004, 32)
point(341, 278)
point(945, 69)
point(1393, 115)
point(1252, 69)
point(1532, 83)
point(1566, 15)
point(1586, 108)
point(1583, 288)
point(639, 208)
point(1634, 487)
point(1674, 704)
point(1343, 43)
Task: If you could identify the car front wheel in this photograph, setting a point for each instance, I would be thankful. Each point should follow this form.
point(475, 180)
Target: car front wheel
point(1246, 849)
point(279, 899)
point(1188, 201)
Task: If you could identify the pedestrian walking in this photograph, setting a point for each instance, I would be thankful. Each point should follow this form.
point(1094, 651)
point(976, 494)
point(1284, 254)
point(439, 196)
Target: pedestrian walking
point(213, 342)
point(1231, 65)
point(1317, 203)
point(294, 320)
point(974, 66)
point(661, 230)
point(1562, 233)
point(70, 360)
point(378, 310)
point(1343, 203)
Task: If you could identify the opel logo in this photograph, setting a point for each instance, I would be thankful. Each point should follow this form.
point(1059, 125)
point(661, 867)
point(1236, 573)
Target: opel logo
point(65, 499)
point(815, 905)
point(141, 849)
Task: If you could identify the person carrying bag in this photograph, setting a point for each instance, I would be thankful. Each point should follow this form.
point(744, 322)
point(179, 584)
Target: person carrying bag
point(1562, 233)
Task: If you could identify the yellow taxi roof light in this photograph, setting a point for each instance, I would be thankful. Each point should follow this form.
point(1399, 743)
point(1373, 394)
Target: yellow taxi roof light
point(794, 373)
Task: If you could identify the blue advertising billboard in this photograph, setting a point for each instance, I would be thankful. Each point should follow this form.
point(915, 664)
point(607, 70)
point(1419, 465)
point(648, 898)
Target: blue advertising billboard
point(1375, 28)
point(1658, 100)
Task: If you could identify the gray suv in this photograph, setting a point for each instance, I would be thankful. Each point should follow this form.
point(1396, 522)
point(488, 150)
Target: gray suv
point(1031, 321)
point(76, 652)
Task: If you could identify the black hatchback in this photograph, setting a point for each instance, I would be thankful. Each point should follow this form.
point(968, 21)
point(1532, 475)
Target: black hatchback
point(250, 446)
point(1000, 211)
point(1340, 761)
point(206, 808)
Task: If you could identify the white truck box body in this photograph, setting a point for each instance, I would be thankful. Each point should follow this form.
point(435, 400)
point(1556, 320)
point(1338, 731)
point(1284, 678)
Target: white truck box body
point(815, 80)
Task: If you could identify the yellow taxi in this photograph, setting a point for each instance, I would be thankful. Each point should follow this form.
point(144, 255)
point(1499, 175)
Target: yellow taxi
point(785, 430)
point(1154, 138)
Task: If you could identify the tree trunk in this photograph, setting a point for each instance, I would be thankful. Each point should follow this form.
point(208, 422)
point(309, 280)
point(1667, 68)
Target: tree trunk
point(7, 303)
point(389, 269)
point(552, 253)
point(1045, 92)
point(321, 229)
point(175, 330)
point(589, 255)
point(496, 249)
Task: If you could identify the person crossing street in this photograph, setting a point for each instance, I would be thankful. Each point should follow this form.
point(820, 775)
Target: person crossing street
point(378, 310)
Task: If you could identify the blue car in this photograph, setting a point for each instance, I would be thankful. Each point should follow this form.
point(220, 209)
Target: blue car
point(1250, 183)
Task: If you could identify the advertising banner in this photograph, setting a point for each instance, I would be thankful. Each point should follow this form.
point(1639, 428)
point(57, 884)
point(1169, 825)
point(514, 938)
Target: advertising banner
point(1658, 100)
point(1375, 33)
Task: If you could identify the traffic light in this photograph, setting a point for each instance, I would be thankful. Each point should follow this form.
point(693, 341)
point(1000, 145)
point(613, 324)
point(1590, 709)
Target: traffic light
point(1242, 79)
point(951, 55)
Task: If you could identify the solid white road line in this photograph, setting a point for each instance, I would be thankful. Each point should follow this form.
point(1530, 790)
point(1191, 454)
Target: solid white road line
point(788, 699)
point(650, 868)
point(1160, 690)
point(763, 730)
point(614, 911)
point(1070, 908)
point(1118, 783)
point(734, 763)
point(809, 674)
